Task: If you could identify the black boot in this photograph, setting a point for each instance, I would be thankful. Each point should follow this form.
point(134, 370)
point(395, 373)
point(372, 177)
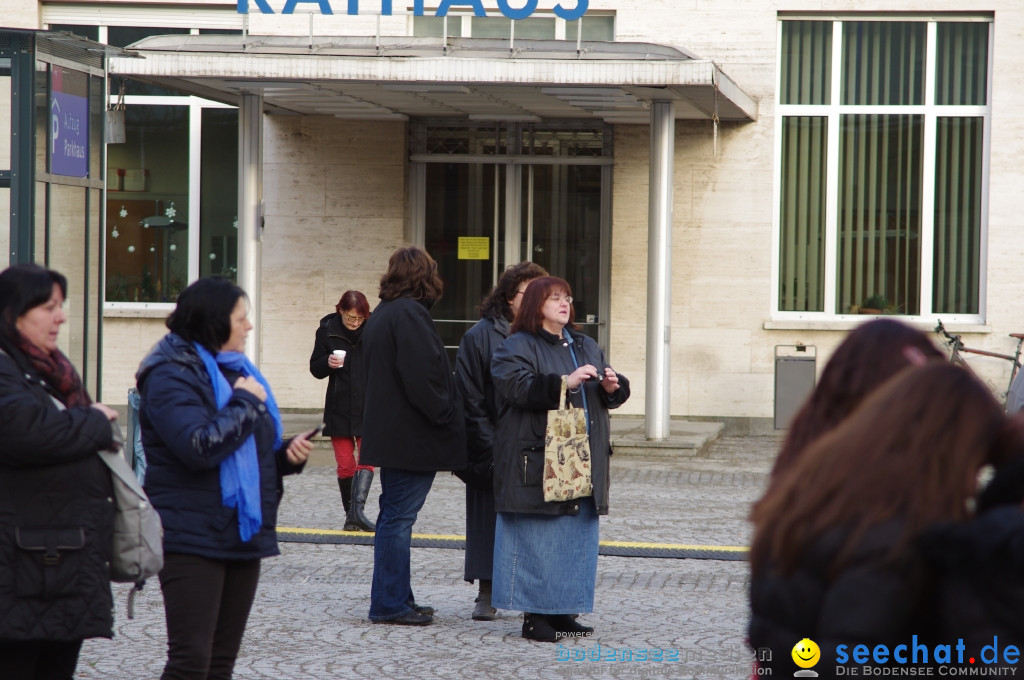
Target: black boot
point(537, 627)
point(356, 520)
point(566, 623)
point(345, 484)
point(483, 610)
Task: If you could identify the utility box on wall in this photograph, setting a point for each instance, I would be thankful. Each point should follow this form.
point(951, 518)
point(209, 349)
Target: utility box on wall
point(794, 380)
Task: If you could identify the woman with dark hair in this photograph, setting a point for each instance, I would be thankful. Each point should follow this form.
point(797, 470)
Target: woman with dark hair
point(338, 356)
point(213, 439)
point(545, 553)
point(835, 555)
point(473, 376)
point(56, 520)
point(412, 425)
point(867, 357)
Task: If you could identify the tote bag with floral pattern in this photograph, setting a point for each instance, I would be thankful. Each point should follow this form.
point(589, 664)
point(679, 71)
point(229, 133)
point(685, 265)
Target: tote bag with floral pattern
point(566, 452)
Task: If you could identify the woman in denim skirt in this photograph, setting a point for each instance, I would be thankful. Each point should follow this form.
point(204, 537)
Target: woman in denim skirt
point(545, 553)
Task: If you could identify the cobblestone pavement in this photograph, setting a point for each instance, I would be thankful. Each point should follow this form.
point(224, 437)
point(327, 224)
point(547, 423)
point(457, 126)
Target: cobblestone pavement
point(673, 618)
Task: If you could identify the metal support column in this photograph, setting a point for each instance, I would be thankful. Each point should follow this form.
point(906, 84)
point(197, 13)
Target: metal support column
point(23, 156)
point(657, 421)
point(250, 212)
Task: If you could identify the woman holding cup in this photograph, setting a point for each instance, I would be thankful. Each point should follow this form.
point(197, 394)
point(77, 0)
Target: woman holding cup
point(338, 356)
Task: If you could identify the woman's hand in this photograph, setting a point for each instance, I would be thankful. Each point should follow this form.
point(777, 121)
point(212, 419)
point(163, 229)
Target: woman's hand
point(251, 385)
point(334, 361)
point(611, 380)
point(110, 413)
point(299, 449)
point(581, 375)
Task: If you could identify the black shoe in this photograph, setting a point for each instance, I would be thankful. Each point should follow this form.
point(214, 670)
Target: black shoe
point(566, 623)
point(425, 610)
point(413, 618)
point(537, 627)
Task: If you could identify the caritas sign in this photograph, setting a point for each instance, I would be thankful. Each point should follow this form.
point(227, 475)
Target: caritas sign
point(69, 123)
point(577, 10)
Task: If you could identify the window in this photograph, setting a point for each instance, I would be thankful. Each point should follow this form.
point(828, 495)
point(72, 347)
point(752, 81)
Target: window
point(171, 217)
point(881, 187)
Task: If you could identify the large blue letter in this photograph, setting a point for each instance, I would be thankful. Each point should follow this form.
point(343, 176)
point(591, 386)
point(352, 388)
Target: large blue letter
point(478, 9)
point(417, 8)
point(243, 7)
point(517, 13)
point(325, 6)
point(575, 13)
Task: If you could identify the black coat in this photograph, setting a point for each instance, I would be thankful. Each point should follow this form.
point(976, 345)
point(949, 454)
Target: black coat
point(479, 398)
point(979, 570)
point(413, 417)
point(186, 437)
point(875, 599)
point(527, 370)
point(54, 490)
point(346, 386)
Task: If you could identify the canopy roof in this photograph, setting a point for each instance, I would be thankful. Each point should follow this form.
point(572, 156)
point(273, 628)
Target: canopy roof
point(380, 78)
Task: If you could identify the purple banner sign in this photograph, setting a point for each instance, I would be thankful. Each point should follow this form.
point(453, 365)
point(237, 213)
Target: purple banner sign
point(69, 123)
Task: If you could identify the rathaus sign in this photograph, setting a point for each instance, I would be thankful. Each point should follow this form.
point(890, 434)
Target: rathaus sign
point(442, 10)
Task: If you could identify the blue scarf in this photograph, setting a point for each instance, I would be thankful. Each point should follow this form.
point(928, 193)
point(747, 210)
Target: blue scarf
point(240, 472)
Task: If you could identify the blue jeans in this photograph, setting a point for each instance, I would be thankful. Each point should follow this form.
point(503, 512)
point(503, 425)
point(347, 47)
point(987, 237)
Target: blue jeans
point(402, 494)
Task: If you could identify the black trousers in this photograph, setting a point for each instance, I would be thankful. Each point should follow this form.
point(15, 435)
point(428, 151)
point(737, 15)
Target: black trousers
point(207, 604)
point(39, 659)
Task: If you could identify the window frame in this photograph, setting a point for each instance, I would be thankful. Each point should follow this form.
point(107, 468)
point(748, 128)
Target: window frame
point(833, 112)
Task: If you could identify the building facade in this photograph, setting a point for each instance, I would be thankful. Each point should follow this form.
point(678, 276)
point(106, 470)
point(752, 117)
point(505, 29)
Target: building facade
point(720, 182)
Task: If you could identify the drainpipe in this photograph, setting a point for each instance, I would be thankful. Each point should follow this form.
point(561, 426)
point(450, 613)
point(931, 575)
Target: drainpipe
point(657, 421)
point(250, 212)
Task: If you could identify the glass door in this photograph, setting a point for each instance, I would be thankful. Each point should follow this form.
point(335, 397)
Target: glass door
point(465, 232)
point(493, 196)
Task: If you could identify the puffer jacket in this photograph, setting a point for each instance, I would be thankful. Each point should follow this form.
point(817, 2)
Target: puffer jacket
point(346, 386)
point(186, 437)
point(527, 370)
point(56, 513)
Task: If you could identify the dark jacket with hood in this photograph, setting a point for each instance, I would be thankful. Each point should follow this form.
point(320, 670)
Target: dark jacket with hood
point(480, 400)
point(346, 386)
point(413, 418)
point(56, 512)
point(186, 437)
point(527, 370)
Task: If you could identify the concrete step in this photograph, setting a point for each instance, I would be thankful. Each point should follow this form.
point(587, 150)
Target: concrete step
point(687, 438)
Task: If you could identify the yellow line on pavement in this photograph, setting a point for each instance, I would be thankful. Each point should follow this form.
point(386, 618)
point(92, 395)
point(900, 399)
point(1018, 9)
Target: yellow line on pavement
point(455, 537)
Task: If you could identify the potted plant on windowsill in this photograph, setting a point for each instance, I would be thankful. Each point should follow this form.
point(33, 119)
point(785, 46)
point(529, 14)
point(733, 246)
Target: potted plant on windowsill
point(873, 305)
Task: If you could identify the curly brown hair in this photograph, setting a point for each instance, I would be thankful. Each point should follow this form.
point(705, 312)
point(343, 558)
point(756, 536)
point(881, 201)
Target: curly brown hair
point(411, 273)
point(497, 304)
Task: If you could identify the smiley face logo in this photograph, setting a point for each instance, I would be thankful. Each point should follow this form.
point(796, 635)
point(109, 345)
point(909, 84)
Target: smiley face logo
point(806, 653)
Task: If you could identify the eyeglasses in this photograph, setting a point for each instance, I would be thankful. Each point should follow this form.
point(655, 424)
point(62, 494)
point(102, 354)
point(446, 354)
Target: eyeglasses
point(520, 292)
point(558, 298)
point(353, 319)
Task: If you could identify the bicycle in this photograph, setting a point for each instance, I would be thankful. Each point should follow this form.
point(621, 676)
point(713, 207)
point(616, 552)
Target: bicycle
point(957, 347)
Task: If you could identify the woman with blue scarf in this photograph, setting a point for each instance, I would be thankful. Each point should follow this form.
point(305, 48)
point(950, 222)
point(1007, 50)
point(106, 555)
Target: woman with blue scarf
point(212, 434)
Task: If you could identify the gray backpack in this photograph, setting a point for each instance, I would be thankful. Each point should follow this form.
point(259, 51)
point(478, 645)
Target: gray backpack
point(138, 533)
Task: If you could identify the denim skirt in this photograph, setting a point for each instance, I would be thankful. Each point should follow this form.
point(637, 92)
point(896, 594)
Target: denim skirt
point(546, 564)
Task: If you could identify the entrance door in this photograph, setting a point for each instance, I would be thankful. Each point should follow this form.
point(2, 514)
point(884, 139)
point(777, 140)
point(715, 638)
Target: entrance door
point(483, 208)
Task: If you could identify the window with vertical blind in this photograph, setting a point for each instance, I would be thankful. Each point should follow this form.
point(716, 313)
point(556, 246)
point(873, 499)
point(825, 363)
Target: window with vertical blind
point(883, 127)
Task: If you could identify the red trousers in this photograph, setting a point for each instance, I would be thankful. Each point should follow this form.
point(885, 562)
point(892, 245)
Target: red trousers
point(344, 454)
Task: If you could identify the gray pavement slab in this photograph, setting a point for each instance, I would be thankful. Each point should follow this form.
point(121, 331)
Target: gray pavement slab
point(685, 617)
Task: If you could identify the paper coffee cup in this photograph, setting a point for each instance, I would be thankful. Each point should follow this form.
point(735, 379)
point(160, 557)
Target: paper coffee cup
point(340, 353)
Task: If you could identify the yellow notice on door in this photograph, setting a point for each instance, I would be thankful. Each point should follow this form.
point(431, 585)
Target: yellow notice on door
point(474, 248)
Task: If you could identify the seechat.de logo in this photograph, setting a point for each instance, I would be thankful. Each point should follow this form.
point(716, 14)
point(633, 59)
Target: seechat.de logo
point(805, 655)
